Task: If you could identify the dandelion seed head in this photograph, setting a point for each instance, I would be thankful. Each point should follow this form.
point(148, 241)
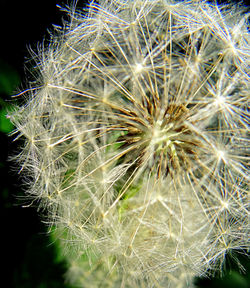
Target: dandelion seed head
point(136, 142)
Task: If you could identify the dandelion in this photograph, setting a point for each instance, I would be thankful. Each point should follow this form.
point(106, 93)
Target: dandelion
point(136, 140)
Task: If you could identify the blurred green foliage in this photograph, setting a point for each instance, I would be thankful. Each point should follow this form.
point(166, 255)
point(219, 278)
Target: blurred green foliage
point(41, 266)
point(9, 80)
point(232, 276)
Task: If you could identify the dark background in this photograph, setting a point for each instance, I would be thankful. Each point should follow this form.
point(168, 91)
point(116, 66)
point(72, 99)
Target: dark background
point(29, 257)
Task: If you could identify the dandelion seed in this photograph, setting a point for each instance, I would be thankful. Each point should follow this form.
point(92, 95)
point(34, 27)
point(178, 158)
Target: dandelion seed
point(221, 155)
point(219, 101)
point(138, 68)
point(225, 205)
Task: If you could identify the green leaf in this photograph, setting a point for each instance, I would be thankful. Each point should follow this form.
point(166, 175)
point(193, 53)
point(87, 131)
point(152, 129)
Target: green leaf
point(5, 125)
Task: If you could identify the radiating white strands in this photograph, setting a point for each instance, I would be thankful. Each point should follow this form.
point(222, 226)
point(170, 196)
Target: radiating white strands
point(136, 140)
